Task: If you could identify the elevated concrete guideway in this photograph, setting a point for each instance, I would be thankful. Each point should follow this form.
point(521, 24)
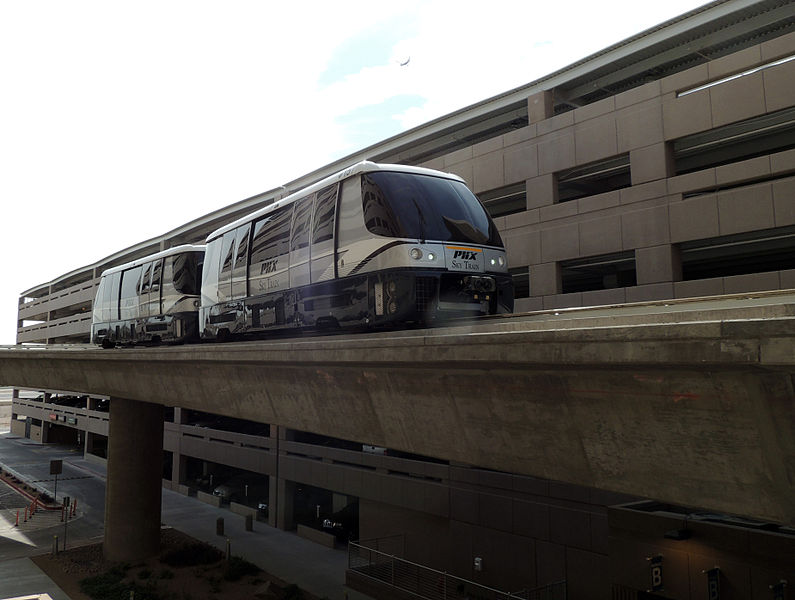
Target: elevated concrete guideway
point(688, 402)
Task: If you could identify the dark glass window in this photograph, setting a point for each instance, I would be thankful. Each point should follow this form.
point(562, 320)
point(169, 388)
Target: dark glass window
point(300, 235)
point(130, 284)
point(209, 273)
point(242, 246)
point(325, 207)
point(186, 273)
point(407, 205)
point(227, 255)
point(146, 279)
point(156, 267)
point(271, 235)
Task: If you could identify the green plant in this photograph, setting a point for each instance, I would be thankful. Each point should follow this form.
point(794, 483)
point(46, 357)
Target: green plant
point(144, 574)
point(237, 567)
point(192, 555)
point(166, 574)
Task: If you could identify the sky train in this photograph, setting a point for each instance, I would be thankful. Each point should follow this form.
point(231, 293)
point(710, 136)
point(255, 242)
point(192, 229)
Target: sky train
point(371, 246)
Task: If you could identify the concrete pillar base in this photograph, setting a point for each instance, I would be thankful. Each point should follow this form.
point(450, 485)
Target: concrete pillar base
point(134, 487)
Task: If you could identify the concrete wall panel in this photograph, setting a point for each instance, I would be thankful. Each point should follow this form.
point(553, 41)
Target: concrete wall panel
point(521, 163)
point(784, 202)
point(779, 82)
point(556, 153)
point(649, 227)
point(595, 139)
point(737, 99)
point(746, 209)
point(600, 236)
point(560, 243)
point(639, 126)
point(687, 114)
point(694, 219)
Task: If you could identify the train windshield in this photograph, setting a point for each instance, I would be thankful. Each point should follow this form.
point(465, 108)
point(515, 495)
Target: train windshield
point(423, 207)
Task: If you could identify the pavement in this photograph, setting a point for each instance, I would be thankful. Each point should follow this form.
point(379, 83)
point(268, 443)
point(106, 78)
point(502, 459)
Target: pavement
point(311, 566)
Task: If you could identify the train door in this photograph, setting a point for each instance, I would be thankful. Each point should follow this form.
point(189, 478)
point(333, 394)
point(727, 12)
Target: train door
point(299, 242)
point(322, 251)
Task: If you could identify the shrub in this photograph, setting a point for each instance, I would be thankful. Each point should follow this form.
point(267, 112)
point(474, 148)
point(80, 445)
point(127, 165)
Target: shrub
point(238, 567)
point(192, 555)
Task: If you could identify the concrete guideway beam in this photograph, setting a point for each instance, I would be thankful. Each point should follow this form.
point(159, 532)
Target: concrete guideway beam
point(697, 410)
point(134, 481)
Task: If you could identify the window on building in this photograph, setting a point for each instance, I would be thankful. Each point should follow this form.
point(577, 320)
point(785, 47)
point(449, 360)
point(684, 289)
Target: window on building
point(521, 282)
point(602, 272)
point(758, 136)
point(506, 200)
point(594, 178)
point(741, 254)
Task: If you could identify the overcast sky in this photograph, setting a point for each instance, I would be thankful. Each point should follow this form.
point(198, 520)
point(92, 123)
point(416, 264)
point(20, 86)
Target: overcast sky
point(120, 121)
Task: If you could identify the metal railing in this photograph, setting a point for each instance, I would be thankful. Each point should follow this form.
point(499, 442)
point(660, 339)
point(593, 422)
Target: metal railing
point(430, 584)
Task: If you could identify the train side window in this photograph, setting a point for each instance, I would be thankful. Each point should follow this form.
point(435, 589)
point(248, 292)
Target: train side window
point(156, 268)
point(99, 314)
point(300, 233)
point(227, 260)
point(146, 279)
point(130, 286)
point(112, 301)
point(351, 218)
point(185, 277)
point(210, 270)
point(325, 208)
point(240, 264)
point(143, 292)
point(271, 236)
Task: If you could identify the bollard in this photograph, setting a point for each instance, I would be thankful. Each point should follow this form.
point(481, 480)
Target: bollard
point(74, 507)
point(228, 549)
point(219, 526)
point(26, 514)
point(63, 508)
point(17, 523)
point(249, 522)
point(55, 545)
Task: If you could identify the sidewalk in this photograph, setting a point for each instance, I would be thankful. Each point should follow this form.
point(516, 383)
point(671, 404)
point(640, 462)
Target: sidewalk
point(313, 567)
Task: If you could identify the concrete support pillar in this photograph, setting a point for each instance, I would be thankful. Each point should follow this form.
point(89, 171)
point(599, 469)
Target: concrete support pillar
point(285, 496)
point(540, 106)
point(134, 486)
point(179, 466)
point(281, 492)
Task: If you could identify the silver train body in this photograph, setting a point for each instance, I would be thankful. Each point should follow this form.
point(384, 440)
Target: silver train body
point(373, 245)
point(150, 300)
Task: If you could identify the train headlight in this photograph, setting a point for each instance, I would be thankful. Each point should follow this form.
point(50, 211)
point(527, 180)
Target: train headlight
point(415, 253)
point(431, 256)
point(391, 287)
point(501, 261)
point(392, 307)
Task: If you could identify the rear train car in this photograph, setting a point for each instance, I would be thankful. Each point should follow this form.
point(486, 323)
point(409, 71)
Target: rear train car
point(150, 300)
point(374, 245)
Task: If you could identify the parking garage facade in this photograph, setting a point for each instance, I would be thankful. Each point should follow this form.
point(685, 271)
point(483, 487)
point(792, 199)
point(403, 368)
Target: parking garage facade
point(662, 167)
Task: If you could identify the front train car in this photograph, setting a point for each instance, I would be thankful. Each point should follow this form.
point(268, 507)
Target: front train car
point(150, 300)
point(373, 245)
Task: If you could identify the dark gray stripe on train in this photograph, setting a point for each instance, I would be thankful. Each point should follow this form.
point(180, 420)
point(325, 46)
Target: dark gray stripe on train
point(372, 255)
